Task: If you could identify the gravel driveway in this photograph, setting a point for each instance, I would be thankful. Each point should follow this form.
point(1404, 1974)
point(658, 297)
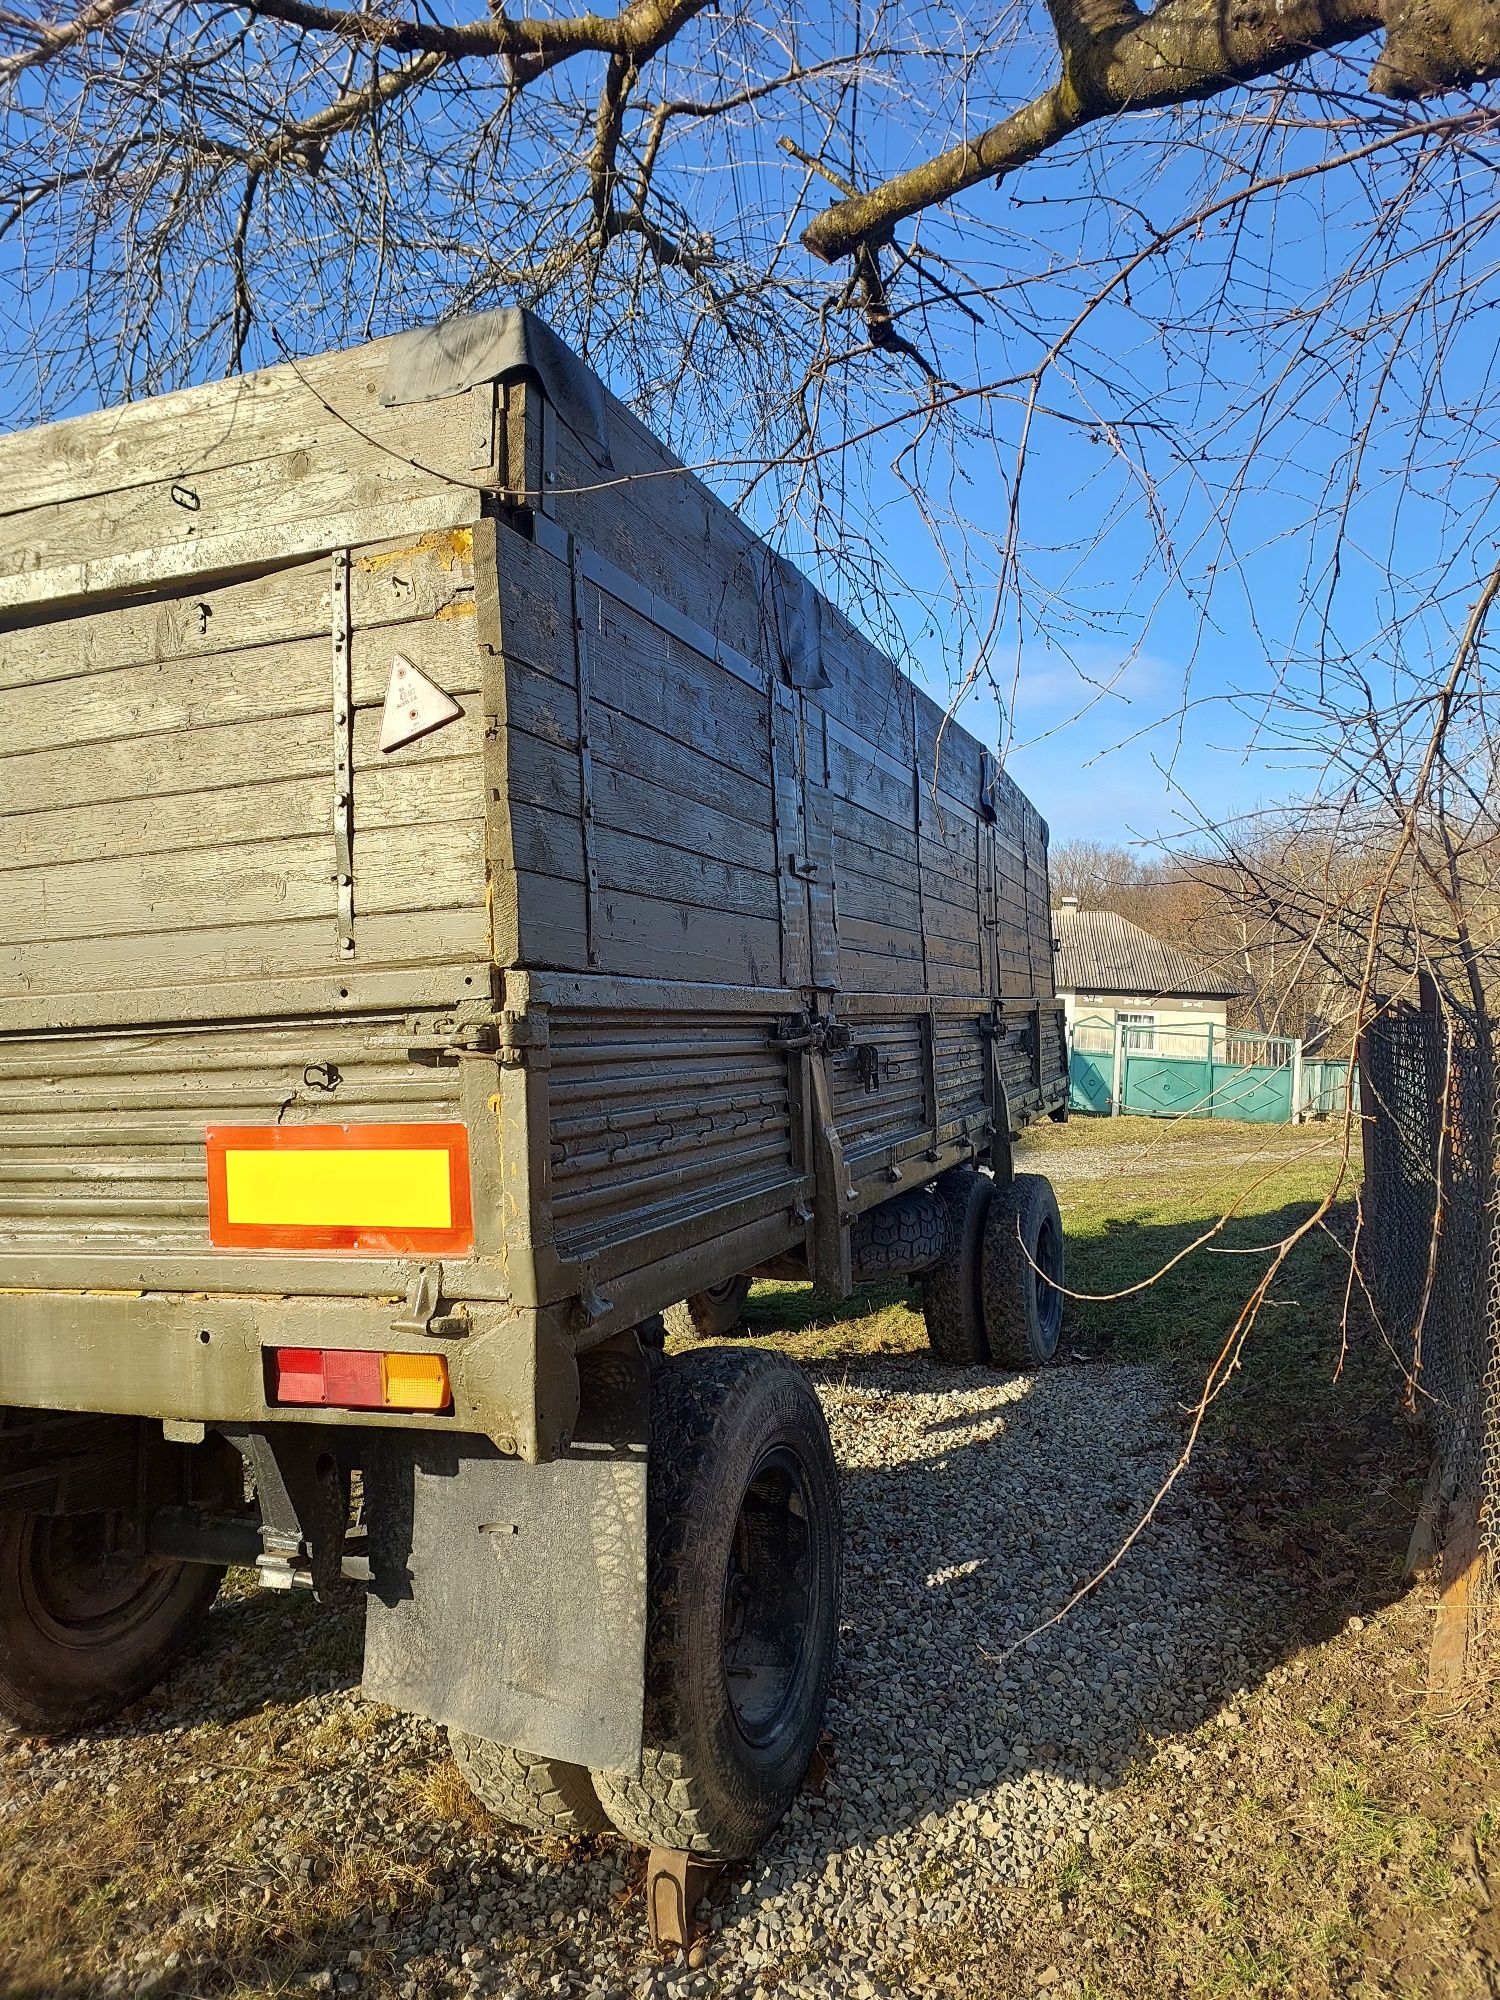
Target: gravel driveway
point(974, 1505)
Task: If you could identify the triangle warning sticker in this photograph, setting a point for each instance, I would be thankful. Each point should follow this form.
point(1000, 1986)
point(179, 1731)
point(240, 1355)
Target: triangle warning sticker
point(414, 706)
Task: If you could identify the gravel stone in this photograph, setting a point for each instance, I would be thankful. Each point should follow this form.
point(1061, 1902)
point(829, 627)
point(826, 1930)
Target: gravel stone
point(966, 1751)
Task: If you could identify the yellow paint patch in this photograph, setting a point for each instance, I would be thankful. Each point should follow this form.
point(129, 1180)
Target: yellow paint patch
point(462, 607)
point(450, 546)
point(352, 1188)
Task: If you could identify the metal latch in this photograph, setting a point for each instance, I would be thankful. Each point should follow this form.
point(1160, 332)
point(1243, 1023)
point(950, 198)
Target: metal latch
point(804, 867)
point(422, 1301)
point(523, 1038)
point(468, 1038)
point(799, 1032)
point(867, 1065)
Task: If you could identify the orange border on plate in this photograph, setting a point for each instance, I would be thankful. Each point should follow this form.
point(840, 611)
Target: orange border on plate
point(453, 1139)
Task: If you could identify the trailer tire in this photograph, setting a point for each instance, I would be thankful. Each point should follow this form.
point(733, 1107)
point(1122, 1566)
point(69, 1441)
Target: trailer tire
point(951, 1301)
point(541, 1794)
point(1023, 1314)
point(710, 1314)
point(743, 1558)
point(901, 1237)
point(87, 1625)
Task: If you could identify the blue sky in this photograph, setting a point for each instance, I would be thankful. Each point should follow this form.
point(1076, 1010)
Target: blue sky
point(1182, 641)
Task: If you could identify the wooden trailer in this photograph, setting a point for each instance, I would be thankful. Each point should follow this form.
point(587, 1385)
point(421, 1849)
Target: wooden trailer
point(461, 895)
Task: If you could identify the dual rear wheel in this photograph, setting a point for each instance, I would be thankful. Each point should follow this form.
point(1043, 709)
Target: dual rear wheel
point(995, 1295)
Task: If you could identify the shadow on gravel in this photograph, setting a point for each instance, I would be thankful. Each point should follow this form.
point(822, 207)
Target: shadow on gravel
point(258, 1646)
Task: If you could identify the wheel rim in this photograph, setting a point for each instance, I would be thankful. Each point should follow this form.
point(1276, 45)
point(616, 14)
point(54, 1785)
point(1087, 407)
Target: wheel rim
point(81, 1587)
point(771, 1598)
point(1049, 1263)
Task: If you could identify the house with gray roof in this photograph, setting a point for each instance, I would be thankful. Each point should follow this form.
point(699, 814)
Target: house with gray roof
point(1109, 969)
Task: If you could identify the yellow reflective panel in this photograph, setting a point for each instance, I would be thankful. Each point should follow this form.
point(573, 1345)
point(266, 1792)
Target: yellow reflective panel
point(368, 1188)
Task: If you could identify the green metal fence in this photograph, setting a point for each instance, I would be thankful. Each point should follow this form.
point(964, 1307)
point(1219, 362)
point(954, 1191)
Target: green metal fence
point(1198, 1072)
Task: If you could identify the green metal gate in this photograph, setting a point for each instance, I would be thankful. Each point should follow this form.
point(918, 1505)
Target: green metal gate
point(1091, 1066)
point(1207, 1072)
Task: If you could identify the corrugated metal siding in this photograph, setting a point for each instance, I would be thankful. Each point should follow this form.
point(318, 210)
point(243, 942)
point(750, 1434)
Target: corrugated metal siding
point(959, 1051)
point(659, 1119)
point(101, 1136)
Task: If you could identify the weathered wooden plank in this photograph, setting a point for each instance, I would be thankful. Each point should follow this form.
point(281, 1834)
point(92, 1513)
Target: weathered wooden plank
point(177, 823)
point(143, 768)
point(194, 560)
point(284, 680)
point(540, 921)
point(398, 582)
point(878, 972)
point(662, 526)
point(640, 936)
point(649, 676)
point(854, 856)
point(549, 843)
point(879, 940)
point(632, 751)
point(855, 776)
point(956, 922)
point(634, 803)
point(675, 876)
point(238, 952)
point(840, 819)
point(128, 778)
point(534, 607)
point(867, 899)
point(327, 405)
point(259, 881)
point(869, 695)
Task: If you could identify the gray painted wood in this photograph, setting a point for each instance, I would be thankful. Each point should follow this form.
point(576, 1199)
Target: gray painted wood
point(634, 797)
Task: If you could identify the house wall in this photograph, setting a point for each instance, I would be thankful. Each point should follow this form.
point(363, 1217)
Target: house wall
point(1171, 1011)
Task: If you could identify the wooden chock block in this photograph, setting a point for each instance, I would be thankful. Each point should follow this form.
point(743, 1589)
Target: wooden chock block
point(675, 1885)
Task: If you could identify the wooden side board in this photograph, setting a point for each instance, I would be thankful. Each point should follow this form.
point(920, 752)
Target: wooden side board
point(680, 788)
point(168, 782)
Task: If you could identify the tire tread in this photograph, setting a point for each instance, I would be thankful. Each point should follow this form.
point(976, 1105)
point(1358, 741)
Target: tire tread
point(1008, 1283)
point(541, 1794)
point(950, 1288)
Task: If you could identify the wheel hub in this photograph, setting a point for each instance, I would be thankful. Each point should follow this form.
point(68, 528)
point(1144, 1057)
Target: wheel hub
point(83, 1587)
point(769, 1598)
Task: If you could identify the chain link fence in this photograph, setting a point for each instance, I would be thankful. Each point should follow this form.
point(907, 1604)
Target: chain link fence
point(1430, 1240)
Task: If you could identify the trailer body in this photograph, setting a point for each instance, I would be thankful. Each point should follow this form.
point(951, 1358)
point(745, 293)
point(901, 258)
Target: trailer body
point(460, 892)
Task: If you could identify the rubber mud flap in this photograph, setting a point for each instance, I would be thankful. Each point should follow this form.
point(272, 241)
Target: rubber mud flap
point(509, 1600)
